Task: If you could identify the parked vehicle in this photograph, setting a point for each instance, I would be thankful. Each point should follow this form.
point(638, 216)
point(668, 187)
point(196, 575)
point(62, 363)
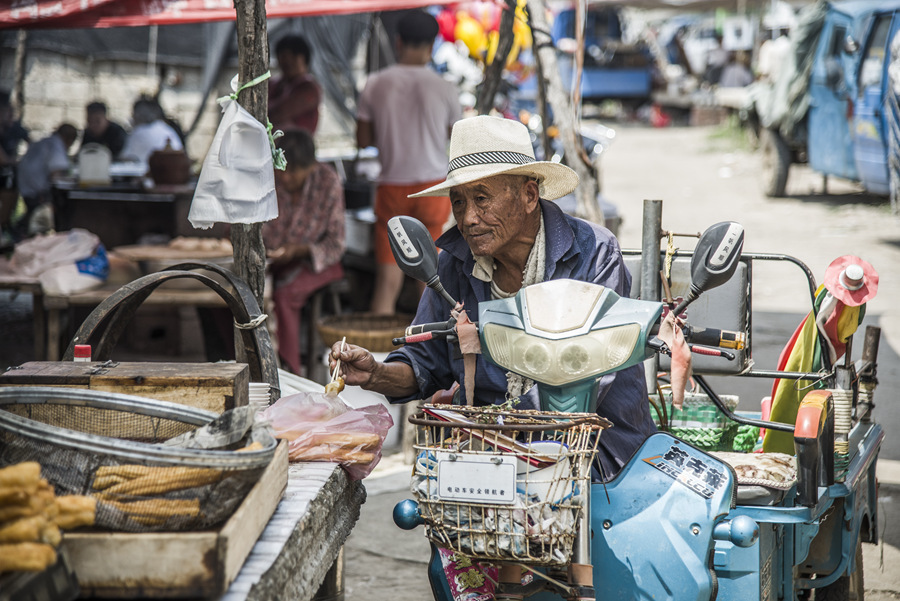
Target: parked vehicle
point(676, 522)
point(829, 111)
point(614, 68)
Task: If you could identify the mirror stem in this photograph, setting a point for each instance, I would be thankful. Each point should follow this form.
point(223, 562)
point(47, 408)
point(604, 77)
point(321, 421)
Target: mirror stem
point(435, 284)
point(692, 296)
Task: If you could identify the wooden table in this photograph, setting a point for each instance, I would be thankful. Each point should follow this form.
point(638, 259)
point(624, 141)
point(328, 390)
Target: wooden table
point(55, 305)
point(302, 542)
point(123, 213)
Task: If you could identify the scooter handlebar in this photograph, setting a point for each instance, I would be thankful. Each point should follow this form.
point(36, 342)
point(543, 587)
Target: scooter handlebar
point(714, 337)
point(426, 331)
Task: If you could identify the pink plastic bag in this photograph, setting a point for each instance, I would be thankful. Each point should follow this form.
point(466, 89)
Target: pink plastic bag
point(320, 427)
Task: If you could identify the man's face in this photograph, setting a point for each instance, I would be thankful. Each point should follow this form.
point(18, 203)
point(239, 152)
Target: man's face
point(96, 123)
point(492, 213)
point(291, 65)
point(293, 178)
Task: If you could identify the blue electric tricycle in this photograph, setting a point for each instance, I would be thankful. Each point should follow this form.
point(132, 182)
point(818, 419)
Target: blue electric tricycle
point(677, 522)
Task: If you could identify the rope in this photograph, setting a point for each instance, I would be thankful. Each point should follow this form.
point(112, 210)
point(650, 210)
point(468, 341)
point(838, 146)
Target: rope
point(841, 459)
point(866, 391)
point(253, 323)
point(843, 406)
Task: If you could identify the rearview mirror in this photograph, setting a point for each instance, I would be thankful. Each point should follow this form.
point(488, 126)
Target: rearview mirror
point(415, 252)
point(715, 259)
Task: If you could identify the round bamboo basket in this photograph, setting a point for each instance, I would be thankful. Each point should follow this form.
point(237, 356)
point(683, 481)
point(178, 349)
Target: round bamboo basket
point(372, 332)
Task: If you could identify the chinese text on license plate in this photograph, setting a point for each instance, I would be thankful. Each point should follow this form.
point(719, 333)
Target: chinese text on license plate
point(476, 478)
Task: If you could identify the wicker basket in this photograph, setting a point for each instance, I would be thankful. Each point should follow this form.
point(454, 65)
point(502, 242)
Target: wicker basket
point(112, 447)
point(370, 331)
point(550, 455)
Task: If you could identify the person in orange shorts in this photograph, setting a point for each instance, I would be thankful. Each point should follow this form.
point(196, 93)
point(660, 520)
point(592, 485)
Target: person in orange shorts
point(407, 112)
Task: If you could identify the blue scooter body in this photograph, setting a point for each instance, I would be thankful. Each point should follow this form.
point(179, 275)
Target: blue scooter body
point(652, 537)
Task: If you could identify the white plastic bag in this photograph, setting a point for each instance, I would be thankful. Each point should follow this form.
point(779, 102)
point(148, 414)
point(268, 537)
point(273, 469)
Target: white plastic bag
point(65, 262)
point(237, 182)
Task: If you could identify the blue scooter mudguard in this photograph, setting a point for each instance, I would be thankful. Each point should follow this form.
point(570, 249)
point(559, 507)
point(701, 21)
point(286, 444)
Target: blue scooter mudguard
point(653, 538)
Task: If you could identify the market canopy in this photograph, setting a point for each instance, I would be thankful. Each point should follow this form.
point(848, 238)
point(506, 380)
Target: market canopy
point(60, 14)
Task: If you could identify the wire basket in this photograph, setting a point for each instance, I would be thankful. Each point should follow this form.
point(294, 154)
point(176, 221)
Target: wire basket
point(368, 330)
point(110, 446)
point(504, 485)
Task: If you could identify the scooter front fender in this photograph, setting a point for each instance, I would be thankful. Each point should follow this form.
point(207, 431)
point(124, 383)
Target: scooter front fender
point(654, 537)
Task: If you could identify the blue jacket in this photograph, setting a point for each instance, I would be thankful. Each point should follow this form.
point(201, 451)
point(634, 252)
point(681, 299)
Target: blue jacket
point(576, 250)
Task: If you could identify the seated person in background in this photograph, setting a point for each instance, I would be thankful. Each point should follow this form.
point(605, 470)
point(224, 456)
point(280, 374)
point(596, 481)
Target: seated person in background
point(11, 135)
point(294, 97)
point(45, 161)
point(100, 130)
point(11, 132)
point(507, 236)
point(736, 73)
point(150, 132)
point(305, 243)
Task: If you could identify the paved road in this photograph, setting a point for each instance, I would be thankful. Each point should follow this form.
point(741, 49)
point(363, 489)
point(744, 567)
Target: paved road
point(703, 178)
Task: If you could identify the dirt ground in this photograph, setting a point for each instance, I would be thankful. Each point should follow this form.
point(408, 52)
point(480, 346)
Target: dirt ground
point(703, 175)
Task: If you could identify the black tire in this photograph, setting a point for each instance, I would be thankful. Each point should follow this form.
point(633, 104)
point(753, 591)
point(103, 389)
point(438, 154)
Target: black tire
point(776, 161)
point(846, 588)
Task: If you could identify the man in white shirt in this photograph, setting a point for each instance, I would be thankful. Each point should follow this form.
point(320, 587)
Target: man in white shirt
point(407, 112)
point(150, 133)
point(43, 162)
point(772, 55)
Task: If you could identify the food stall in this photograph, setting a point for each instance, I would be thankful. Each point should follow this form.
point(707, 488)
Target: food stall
point(149, 535)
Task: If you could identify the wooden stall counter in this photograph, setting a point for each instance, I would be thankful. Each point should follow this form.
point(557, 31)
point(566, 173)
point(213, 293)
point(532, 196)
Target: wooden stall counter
point(214, 387)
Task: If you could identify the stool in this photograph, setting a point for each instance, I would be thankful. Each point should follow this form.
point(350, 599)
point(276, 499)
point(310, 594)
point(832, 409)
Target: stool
point(315, 370)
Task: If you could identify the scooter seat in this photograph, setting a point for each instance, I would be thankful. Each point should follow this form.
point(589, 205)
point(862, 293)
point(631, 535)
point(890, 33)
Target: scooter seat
point(763, 478)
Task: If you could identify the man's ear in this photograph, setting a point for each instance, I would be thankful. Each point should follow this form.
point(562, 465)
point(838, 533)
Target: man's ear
point(531, 195)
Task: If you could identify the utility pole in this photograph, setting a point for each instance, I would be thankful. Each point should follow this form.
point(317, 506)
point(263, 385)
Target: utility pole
point(253, 61)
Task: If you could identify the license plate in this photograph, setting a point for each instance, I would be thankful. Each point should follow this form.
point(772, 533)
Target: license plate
point(476, 478)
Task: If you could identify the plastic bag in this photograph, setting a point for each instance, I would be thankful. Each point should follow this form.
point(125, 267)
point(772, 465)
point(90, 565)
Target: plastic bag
point(65, 262)
point(325, 428)
point(237, 182)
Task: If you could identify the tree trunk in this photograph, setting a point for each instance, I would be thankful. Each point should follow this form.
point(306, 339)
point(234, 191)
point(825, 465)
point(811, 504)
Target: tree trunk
point(19, 89)
point(563, 115)
point(494, 71)
point(253, 60)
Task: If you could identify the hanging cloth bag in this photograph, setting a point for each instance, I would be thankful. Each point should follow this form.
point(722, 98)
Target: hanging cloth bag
point(237, 181)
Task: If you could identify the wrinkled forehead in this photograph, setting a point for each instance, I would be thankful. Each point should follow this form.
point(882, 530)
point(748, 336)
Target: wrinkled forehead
point(490, 186)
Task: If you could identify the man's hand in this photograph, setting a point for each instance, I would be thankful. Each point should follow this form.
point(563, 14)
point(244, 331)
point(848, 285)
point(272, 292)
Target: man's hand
point(359, 368)
point(357, 364)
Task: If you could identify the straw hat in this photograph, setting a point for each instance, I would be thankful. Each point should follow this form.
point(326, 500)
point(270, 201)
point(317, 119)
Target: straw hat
point(851, 280)
point(486, 146)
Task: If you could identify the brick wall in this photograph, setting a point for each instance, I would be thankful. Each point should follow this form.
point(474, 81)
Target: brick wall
point(58, 87)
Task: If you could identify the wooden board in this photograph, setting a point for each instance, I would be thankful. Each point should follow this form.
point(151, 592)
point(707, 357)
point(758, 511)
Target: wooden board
point(212, 386)
point(177, 565)
point(156, 252)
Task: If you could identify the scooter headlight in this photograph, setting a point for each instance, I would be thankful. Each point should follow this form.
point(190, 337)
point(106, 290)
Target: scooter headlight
point(558, 362)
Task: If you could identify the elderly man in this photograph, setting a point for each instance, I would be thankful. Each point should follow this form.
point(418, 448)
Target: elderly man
point(508, 236)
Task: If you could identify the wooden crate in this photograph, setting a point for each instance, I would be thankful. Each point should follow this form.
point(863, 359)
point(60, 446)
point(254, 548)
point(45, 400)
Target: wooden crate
point(212, 386)
point(176, 565)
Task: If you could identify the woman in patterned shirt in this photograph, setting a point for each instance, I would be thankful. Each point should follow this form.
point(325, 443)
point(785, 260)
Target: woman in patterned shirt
point(305, 243)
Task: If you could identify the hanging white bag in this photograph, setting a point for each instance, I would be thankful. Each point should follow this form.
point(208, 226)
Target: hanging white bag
point(237, 181)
